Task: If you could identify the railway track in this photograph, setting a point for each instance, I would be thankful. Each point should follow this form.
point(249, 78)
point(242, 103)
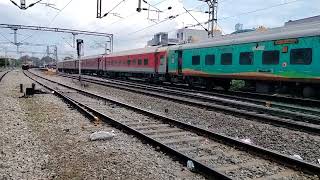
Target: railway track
point(263, 98)
point(287, 115)
point(213, 155)
point(2, 74)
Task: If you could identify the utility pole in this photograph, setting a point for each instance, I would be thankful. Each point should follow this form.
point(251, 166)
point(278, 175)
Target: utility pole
point(213, 16)
point(74, 39)
point(139, 6)
point(5, 58)
point(55, 52)
point(99, 6)
point(15, 41)
point(73, 32)
point(48, 51)
point(79, 52)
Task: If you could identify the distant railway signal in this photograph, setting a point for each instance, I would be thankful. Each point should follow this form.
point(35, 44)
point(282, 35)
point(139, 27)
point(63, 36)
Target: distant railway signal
point(80, 53)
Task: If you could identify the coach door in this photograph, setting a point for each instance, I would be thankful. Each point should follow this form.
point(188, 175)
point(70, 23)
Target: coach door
point(156, 62)
point(179, 61)
point(160, 63)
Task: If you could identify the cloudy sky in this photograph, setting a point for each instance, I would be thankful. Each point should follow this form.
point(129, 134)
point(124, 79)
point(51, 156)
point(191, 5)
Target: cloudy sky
point(132, 29)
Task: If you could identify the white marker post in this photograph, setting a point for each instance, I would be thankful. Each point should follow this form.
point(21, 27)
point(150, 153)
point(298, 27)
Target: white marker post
point(79, 52)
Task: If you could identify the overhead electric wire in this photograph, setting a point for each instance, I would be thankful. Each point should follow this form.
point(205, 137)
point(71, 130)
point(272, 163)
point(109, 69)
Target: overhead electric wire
point(195, 19)
point(54, 18)
point(113, 8)
point(6, 38)
point(168, 18)
point(49, 22)
point(30, 5)
point(151, 5)
point(249, 12)
point(159, 2)
point(135, 13)
point(262, 9)
point(15, 4)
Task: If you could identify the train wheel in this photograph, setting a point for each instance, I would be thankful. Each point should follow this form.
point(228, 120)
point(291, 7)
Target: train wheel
point(262, 87)
point(209, 85)
point(190, 84)
point(226, 85)
point(308, 92)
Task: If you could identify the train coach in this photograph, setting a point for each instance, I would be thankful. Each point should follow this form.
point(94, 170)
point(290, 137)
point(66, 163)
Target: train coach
point(279, 58)
point(146, 63)
point(275, 59)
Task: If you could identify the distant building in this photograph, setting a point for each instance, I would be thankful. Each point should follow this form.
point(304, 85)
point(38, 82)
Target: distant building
point(239, 29)
point(302, 21)
point(182, 36)
point(162, 39)
point(191, 35)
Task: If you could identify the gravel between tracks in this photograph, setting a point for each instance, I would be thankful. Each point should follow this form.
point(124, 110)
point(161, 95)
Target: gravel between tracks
point(280, 139)
point(43, 138)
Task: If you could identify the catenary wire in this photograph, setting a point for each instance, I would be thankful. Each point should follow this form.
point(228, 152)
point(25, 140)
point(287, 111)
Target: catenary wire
point(52, 20)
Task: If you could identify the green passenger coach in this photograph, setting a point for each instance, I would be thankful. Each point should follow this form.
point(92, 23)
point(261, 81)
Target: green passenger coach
point(277, 58)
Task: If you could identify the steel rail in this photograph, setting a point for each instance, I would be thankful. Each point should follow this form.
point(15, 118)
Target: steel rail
point(235, 94)
point(92, 114)
point(259, 151)
point(286, 99)
point(299, 113)
point(260, 116)
point(2, 76)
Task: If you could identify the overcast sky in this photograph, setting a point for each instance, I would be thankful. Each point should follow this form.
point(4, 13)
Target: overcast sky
point(130, 29)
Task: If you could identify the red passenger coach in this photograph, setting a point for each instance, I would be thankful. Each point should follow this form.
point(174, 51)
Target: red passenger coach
point(93, 64)
point(68, 66)
point(146, 63)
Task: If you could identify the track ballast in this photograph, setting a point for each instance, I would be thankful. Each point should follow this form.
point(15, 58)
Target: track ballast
point(187, 142)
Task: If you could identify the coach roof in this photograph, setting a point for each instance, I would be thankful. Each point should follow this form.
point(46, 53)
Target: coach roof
point(285, 32)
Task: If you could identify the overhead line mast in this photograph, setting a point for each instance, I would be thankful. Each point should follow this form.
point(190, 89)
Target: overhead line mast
point(109, 37)
point(213, 16)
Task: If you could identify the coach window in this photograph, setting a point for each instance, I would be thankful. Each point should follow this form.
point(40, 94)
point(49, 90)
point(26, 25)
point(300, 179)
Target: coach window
point(134, 62)
point(270, 57)
point(195, 60)
point(210, 59)
point(226, 59)
point(145, 62)
point(301, 56)
point(246, 58)
point(129, 62)
point(139, 61)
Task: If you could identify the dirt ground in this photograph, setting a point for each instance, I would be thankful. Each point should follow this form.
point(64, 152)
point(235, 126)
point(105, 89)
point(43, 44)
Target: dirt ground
point(41, 137)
